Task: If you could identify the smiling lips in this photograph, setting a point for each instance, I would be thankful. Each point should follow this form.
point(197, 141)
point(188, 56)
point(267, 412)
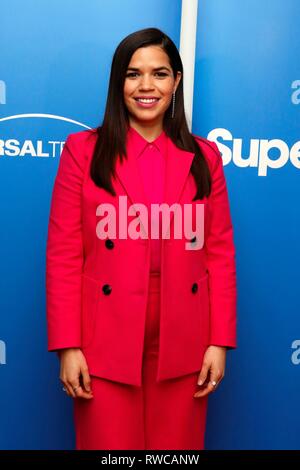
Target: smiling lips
point(147, 102)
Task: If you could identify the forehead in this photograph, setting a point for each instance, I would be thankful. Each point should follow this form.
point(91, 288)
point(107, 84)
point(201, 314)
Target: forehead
point(151, 56)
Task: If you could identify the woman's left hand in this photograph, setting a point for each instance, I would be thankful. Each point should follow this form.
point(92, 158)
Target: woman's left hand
point(213, 370)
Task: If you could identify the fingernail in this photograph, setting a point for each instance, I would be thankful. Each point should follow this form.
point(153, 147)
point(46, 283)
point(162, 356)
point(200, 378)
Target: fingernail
point(200, 382)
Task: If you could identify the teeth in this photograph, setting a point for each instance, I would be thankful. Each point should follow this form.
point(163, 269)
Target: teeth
point(143, 100)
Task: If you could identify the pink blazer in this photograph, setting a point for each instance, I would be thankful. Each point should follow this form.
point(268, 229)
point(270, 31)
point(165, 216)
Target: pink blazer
point(96, 290)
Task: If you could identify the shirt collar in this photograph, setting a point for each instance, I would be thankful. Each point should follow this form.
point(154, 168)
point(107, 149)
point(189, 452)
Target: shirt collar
point(139, 143)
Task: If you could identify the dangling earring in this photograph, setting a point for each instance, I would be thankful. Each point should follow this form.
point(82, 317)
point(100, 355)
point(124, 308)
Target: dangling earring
point(173, 104)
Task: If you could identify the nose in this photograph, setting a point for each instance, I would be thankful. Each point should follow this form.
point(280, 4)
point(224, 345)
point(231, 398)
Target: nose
point(146, 83)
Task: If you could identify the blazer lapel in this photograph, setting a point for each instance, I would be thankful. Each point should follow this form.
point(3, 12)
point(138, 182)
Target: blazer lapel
point(178, 163)
point(129, 177)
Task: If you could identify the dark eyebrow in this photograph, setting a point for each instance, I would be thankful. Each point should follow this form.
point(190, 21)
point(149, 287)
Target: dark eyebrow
point(155, 69)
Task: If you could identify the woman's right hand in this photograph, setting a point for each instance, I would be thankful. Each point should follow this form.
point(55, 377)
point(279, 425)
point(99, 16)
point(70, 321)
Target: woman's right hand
point(74, 373)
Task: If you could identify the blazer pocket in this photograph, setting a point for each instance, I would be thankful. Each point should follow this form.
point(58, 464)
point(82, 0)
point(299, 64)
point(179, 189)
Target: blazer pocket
point(203, 297)
point(89, 303)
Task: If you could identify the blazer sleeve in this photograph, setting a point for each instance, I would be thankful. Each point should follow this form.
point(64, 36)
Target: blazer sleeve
point(221, 261)
point(64, 251)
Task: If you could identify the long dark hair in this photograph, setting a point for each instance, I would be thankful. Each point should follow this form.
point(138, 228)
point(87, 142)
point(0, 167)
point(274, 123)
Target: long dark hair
point(111, 140)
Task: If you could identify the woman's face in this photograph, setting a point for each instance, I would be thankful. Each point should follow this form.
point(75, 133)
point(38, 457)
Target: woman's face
point(149, 76)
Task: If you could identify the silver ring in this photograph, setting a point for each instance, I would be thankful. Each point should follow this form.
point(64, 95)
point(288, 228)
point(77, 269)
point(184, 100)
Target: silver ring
point(213, 382)
point(64, 389)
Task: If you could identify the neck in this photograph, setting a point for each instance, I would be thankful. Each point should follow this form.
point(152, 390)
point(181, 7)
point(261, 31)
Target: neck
point(149, 131)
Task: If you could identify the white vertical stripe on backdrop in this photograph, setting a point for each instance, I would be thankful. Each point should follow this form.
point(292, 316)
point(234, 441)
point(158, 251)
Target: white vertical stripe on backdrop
point(187, 48)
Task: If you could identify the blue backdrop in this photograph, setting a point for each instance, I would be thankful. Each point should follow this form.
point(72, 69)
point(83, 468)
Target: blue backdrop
point(55, 64)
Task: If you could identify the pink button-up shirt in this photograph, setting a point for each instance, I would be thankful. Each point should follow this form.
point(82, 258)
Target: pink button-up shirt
point(151, 159)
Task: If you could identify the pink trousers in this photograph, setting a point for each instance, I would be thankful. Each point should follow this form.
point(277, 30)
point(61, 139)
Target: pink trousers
point(156, 416)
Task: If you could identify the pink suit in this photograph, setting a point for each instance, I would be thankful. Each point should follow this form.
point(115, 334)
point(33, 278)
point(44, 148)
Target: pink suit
point(100, 298)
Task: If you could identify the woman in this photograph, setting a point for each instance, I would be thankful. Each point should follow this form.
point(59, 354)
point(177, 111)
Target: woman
point(141, 322)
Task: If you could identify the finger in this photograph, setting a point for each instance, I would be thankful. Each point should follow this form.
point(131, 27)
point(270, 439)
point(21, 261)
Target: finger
point(210, 387)
point(215, 378)
point(66, 386)
point(78, 390)
point(81, 393)
point(86, 380)
point(203, 373)
point(69, 388)
point(74, 385)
